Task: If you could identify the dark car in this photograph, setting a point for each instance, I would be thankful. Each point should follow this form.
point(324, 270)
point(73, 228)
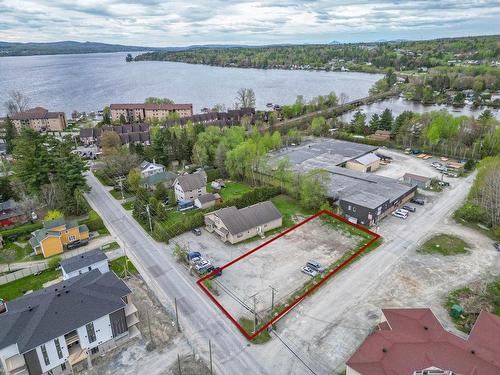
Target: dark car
point(497, 245)
point(196, 231)
point(418, 201)
point(409, 208)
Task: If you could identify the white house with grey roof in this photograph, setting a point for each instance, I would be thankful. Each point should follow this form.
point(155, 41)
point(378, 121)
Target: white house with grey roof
point(85, 262)
point(235, 225)
point(56, 328)
point(190, 186)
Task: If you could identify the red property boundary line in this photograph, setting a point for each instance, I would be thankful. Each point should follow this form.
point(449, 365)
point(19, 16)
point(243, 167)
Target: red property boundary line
point(374, 235)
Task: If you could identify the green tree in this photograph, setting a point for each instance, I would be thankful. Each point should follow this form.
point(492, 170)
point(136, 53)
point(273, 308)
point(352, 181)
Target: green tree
point(106, 116)
point(313, 188)
point(386, 120)
point(129, 58)
point(6, 190)
point(134, 179)
point(319, 126)
point(10, 135)
point(358, 122)
point(122, 120)
point(374, 123)
point(155, 100)
point(283, 172)
point(391, 77)
point(52, 215)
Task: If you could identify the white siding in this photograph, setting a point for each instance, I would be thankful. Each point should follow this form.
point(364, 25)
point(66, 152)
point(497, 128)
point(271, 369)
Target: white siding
point(52, 353)
point(8, 352)
point(103, 333)
point(102, 266)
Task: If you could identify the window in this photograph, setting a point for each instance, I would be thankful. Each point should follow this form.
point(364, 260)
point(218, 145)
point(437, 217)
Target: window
point(72, 238)
point(349, 208)
point(63, 366)
point(45, 355)
point(58, 348)
point(90, 332)
point(90, 268)
point(94, 350)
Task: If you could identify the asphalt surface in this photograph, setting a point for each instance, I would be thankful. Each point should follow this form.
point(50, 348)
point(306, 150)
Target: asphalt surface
point(199, 318)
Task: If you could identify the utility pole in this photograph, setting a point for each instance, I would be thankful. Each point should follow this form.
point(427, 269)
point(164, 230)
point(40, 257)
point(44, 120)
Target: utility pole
point(121, 187)
point(272, 297)
point(254, 313)
point(177, 315)
point(179, 363)
point(210, 352)
point(149, 218)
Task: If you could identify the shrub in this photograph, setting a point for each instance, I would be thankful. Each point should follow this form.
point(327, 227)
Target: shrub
point(470, 212)
point(212, 174)
point(21, 229)
point(54, 262)
point(93, 222)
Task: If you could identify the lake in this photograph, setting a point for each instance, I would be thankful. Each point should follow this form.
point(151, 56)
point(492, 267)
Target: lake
point(399, 105)
point(88, 82)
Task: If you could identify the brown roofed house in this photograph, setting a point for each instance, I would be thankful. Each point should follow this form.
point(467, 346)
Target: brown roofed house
point(134, 112)
point(39, 119)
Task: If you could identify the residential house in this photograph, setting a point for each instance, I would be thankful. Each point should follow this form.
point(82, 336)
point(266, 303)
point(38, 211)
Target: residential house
point(52, 330)
point(413, 342)
point(149, 169)
point(235, 225)
point(129, 134)
point(56, 235)
point(190, 186)
point(85, 262)
point(207, 200)
point(39, 119)
point(11, 213)
point(137, 112)
point(414, 179)
point(366, 163)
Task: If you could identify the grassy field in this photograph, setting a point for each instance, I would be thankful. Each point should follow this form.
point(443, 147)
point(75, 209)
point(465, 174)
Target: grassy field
point(118, 266)
point(118, 194)
point(232, 190)
point(247, 325)
point(289, 208)
point(444, 244)
point(111, 246)
point(12, 253)
point(17, 288)
point(129, 205)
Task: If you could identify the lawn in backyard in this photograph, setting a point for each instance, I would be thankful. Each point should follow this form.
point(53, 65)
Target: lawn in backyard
point(232, 189)
point(17, 252)
point(17, 288)
point(118, 267)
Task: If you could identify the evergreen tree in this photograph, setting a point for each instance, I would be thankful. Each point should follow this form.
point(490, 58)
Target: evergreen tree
point(10, 135)
point(374, 123)
point(386, 120)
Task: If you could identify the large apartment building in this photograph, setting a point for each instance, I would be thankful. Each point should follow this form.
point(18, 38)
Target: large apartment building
point(62, 326)
point(137, 112)
point(40, 119)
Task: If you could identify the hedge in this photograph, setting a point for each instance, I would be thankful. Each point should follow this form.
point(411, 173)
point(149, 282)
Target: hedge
point(21, 229)
point(164, 232)
point(93, 222)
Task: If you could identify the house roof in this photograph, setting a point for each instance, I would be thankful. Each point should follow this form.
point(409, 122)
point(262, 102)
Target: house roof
point(366, 199)
point(368, 159)
point(240, 220)
point(416, 177)
point(192, 181)
point(10, 204)
point(146, 164)
point(38, 317)
point(35, 113)
point(164, 176)
point(414, 339)
point(83, 260)
point(209, 197)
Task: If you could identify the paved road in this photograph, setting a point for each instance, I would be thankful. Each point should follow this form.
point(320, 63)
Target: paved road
point(199, 318)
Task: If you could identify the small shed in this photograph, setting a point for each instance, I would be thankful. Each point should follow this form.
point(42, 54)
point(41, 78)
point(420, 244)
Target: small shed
point(414, 179)
point(366, 163)
point(207, 200)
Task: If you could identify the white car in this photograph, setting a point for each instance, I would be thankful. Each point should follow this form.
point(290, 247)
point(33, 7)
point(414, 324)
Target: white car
point(309, 271)
point(435, 164)
point(402, 210)
point(400, 214)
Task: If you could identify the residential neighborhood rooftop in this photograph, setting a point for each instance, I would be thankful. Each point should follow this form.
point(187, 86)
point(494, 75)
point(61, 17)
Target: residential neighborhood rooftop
point(83, 260)
point(414, 339)
point(168, 107)
point(35, 113)
point(192, 181)
point(416, 177)
point(35, 318)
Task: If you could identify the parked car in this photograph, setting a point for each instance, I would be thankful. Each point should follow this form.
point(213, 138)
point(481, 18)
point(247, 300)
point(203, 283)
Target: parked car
point(436, 164)
point(400, 214)
point(416, 151)
point(443, 183)
point(309, 271)
point(451, 174)
point(402, 210)
point(316, 266)
point(193, 256)
point(497, 245)
point(75, 244)
point(196, 231)
point(409, 208)
point(418, 201)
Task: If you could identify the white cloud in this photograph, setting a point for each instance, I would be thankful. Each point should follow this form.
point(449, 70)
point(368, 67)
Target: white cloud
point(160, 23)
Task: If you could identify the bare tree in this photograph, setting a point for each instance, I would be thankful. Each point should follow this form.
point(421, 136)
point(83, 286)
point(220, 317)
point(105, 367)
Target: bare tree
point(245, 98)
point(17, 102)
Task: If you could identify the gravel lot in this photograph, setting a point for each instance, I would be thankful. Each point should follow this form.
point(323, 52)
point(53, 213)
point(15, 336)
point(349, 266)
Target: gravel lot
point(278, 264)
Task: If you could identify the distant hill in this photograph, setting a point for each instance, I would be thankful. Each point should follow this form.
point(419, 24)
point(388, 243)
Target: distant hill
point(68, 47)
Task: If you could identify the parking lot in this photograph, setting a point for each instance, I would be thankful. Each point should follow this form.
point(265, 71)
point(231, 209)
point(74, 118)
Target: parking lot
point(277, 265)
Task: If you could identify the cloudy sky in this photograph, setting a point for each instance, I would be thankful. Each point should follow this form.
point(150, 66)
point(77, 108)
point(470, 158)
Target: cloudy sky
point(178, 23)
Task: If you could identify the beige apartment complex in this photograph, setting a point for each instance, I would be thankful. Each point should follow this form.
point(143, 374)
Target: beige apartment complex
point(139, 111)
point(40, 119)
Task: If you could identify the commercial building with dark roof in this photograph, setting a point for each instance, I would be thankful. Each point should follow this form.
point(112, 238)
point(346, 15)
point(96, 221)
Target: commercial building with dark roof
point(235, 225)
point(40, 119)
point(69, 322)
point(413, 342)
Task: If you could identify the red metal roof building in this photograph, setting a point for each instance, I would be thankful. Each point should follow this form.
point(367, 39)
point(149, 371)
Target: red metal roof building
point(409, 341)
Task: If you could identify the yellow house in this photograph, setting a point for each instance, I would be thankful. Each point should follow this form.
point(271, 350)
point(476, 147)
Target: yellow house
point(56, 235)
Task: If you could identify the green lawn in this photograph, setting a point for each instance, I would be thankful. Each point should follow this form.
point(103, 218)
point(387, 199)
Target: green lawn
point(12, 253)
point(129, 205)
point(289, 208)
point(118, 266)
point(16, 288)
point(232, 189)
point(117, 194)
point(111, 246)
point(444, 244)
